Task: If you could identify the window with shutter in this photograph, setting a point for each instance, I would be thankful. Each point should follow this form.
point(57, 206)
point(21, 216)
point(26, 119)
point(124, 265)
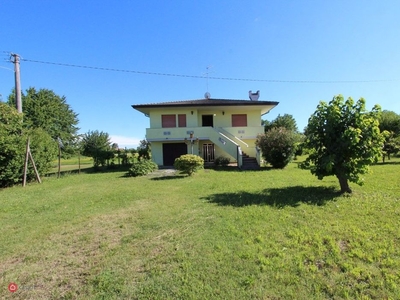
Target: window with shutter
point(168, 121)
point(239, 120)
point(182, 120)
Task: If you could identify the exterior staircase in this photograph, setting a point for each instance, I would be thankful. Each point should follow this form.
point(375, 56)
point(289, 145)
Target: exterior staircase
point(249, 163)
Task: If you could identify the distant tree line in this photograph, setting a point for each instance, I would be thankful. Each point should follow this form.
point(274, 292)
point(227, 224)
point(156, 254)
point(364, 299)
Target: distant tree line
point(389, 125)
point(51, 124)
point(97, 145)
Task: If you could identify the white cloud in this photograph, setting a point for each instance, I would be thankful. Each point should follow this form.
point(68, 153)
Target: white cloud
point(124, 141)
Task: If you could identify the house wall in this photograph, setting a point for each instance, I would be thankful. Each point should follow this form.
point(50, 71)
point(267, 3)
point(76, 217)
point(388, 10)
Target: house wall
point(155, 117)
point(222, 118)
point(222, 121)
point(156, 153)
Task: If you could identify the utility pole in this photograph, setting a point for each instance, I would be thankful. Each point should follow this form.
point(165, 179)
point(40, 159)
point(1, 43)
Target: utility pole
point(18, 100)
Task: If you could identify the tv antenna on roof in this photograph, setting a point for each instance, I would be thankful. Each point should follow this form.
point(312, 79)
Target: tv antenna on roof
point(207, 95)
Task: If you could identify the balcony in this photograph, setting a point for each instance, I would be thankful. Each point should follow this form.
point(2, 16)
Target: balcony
point(202, 133)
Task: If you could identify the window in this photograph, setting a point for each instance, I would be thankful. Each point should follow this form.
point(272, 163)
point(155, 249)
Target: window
point(181, 120)
point(168, 121)
point(239, 120)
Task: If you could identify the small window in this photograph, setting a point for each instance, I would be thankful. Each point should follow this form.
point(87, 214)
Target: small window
point(239, 120)
point(181, 120)
point(168, 121)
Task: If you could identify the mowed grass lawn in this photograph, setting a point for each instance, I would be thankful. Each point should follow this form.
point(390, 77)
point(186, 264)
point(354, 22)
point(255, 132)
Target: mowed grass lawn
point(221, 234)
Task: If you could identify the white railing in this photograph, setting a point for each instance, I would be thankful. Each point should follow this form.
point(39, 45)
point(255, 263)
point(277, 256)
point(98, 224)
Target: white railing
point(222, 140)
point(232, 136)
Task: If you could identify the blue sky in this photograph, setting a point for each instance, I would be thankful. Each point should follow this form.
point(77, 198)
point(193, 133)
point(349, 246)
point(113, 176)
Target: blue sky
point(354, 41)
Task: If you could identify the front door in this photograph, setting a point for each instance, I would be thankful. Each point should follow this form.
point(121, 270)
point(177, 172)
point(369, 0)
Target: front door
point(208, 152)
point(207, 120)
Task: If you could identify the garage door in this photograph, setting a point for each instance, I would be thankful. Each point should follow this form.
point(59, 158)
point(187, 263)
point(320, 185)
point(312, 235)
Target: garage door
point(172, 151)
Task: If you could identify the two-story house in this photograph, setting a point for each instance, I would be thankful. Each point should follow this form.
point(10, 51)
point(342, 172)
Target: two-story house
point(206, 127)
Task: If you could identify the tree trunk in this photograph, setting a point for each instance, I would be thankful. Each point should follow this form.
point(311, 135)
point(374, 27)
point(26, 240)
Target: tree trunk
point(344, 184)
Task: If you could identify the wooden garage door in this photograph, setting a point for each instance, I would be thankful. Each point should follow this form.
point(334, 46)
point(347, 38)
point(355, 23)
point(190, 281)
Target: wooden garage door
point(172, 151)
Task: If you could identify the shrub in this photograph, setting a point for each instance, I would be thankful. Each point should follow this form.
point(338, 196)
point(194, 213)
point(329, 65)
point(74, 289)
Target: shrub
point(97, 145)
point(189, 163)
point(142, 167)
point(13, 140)
point(44, 150)
point(222, 161)
point(278, 146)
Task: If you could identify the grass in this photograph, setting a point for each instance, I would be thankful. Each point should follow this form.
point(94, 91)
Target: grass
point(221, 234)
point(72, 165)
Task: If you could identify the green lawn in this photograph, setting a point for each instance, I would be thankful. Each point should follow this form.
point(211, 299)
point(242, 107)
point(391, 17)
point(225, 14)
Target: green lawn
point(71, 165)
point(271, 234)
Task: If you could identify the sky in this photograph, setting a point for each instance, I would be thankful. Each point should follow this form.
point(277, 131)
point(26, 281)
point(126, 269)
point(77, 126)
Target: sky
point(296, 52)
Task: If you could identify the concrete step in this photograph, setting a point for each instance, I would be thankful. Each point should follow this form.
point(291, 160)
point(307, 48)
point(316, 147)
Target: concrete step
point(250, 163)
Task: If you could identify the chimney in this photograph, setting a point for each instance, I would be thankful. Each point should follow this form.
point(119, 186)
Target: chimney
point(254, 96)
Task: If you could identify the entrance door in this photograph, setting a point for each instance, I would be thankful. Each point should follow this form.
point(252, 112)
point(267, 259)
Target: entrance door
point(207, 120)
point(208, 152)
point(172, 151)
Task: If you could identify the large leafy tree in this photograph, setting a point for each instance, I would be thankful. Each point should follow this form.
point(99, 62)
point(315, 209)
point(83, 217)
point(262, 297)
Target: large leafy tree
point(144, 149)
point(11, 145)
point(287, 121)
point(13, 139)
point(389, 123)
point(345, 139)
point(97, 144)
point(46, 110)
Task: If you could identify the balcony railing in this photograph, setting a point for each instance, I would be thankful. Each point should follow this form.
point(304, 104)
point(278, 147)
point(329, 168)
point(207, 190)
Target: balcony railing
point(178, 133)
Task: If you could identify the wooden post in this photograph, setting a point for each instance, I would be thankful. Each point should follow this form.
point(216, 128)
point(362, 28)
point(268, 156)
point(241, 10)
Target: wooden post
point(29, 156)
point(34, 167)
point(79, 162)
point(59, 160)
point(26, 162)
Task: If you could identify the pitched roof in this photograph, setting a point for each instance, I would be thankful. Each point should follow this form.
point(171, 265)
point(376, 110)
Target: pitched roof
point(205, 102)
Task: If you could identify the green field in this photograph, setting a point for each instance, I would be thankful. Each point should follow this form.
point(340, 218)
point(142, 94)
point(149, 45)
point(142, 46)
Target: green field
point(71, 165)
point(221, 234)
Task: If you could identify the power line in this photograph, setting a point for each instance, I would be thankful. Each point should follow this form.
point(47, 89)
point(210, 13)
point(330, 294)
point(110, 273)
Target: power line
point(208, 77)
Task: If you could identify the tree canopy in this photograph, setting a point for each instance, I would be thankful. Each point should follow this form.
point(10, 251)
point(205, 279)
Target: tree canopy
point(46, 110)
point(13, 138)
point(390, 121)
point(97, 144)
point(144, 149)
point(345, 139)
point(287, 121)
point(389, 124)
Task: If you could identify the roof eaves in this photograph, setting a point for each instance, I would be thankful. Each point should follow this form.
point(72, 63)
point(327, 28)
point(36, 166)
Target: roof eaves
point(206, 102)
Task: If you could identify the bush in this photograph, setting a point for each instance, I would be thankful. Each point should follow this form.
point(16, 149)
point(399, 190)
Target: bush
point(222, 161)
point(277, 146)
point(189, 163)
point(142, 167)
point(13, 147)
point(97, 145)
point(44, 150)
